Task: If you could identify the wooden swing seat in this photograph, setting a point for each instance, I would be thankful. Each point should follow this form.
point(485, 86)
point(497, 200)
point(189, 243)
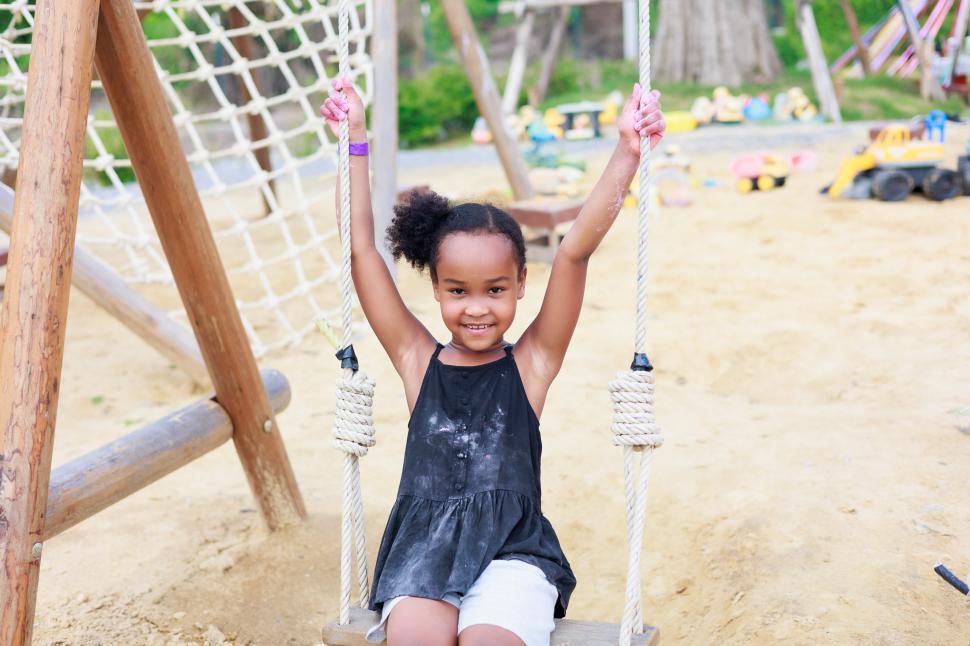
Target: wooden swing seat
point(569, 632)
point(544, 215)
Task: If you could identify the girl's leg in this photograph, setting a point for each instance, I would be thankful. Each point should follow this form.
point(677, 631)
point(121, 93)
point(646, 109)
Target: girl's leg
point(422, 622)
point(486, 635)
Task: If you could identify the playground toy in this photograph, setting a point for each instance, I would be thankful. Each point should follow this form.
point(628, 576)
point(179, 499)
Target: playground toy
point(793, 105)
point(680, 121)
point(894, 166)
point(759, 171)
point(672, 177)
point(727, 107)
point(480, 133)
point(582, 119)
point(936, 125)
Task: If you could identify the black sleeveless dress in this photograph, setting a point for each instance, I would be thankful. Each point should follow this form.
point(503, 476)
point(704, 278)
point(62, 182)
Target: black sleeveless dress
point(469, 489)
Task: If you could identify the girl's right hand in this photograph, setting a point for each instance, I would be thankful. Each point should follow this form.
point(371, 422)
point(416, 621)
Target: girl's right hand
point(347, 106)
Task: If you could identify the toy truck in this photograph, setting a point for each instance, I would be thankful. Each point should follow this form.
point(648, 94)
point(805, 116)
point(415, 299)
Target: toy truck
point(894, 166)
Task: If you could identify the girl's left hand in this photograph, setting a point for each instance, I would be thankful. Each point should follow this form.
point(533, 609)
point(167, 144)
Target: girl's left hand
point(637, 121)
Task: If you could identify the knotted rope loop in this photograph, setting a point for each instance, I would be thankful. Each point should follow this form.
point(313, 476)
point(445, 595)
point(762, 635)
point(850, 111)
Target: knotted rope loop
point(633, 421)
point(353, 425)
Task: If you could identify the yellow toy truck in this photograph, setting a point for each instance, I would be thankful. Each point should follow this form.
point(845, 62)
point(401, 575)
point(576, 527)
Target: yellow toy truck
point(894, 166)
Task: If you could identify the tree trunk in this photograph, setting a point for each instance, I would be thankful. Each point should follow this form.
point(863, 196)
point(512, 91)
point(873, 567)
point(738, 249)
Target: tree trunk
point(714, 42)
point(412, 48)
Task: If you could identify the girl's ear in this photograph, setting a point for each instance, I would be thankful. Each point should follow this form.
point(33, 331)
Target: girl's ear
point(521, 283)
point(434, 286)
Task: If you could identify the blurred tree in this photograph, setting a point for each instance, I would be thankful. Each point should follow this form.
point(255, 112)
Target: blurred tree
point(412, 51)
point(714, 42)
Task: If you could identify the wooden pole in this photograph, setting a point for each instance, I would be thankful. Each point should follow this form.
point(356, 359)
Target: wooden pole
point(146, 125)
point(257, 126)
point(100, 478)
point(860, 45)
point(928, 87)
point(549, 57)
point(816, 59)
point(384, 123)
point(960, 33)
point(630, 30)
point(520, 55)
point(37, 291)
point(102, 285)
point(486, 95)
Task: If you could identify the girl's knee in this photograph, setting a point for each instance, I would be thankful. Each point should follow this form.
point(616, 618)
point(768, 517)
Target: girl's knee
point(422, 622)
point(488, 635)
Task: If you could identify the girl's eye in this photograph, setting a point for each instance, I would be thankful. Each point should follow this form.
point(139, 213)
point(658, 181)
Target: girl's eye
point(457, 291)
point(496, 290)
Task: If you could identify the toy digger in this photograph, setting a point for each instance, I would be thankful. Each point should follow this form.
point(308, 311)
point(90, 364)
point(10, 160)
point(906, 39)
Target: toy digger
point(893, 166)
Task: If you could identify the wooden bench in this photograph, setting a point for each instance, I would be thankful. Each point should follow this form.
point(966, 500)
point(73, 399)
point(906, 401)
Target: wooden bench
point(569, 632)
point(544, 215)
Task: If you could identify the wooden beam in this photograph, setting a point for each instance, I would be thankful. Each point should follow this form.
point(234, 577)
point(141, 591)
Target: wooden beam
point(106, 288)
point(486, 95)
point(549, 57)
point(520, 55)
point(146, 125)
point(257, 125)
point(960, 33)
point(928, 87)
point(384, 124)
point(38, 287)
point(860, 45)
point(96, 480)
point(816, 59)
point(569, 632)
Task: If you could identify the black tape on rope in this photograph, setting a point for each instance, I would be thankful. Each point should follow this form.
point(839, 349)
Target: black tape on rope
point(641, 363)
point(348, 359)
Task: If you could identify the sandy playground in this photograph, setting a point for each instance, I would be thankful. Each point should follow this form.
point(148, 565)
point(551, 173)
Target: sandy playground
point(810, 356)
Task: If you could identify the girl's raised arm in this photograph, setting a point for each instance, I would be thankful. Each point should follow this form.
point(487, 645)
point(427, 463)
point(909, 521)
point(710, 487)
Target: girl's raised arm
point(404, 338)
point(544, 343)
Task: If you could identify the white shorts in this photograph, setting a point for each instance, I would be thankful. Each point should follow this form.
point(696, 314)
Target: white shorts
point(510, 594)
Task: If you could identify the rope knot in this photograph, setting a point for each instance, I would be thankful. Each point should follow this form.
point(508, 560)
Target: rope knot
point(353, 422)
point(633, 421)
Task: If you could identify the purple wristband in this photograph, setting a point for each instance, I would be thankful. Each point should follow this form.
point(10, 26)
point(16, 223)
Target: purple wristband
point(357, 148)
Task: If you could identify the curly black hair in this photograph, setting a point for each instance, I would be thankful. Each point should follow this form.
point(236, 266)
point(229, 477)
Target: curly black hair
point(422, 221)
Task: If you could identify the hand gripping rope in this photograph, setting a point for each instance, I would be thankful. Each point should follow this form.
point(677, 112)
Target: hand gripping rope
point(353, 426)
point(634, 426)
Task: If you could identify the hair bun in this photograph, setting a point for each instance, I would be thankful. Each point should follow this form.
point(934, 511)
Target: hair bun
point(412, 231)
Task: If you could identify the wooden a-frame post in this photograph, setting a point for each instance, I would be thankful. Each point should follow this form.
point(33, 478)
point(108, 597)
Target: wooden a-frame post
point(36, 293)
point(68, 36)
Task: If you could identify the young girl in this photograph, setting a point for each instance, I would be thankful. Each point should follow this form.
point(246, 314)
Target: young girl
point(467, 556)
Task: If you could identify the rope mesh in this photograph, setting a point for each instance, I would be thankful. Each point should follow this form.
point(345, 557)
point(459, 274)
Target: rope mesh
point(278, 246)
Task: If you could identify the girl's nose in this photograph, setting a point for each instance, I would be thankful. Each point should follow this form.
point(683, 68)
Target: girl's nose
point(476, 308)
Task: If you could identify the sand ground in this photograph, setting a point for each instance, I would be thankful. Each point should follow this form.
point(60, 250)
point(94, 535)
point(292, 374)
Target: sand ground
point(810, 354)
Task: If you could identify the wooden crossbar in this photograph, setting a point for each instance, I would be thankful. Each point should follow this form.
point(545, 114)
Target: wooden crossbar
point(569, 632)
point(100, 478)
point(544, 215)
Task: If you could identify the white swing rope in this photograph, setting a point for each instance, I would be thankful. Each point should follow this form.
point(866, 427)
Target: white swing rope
point(353, 427)
point(634, 427)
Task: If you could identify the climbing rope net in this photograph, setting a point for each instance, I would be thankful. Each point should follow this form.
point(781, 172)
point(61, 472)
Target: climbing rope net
point(244, 81)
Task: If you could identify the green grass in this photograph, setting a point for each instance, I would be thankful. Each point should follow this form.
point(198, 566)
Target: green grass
point(862, 99)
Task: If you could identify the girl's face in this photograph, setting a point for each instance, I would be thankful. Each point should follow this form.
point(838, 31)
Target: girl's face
point(478, 286)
